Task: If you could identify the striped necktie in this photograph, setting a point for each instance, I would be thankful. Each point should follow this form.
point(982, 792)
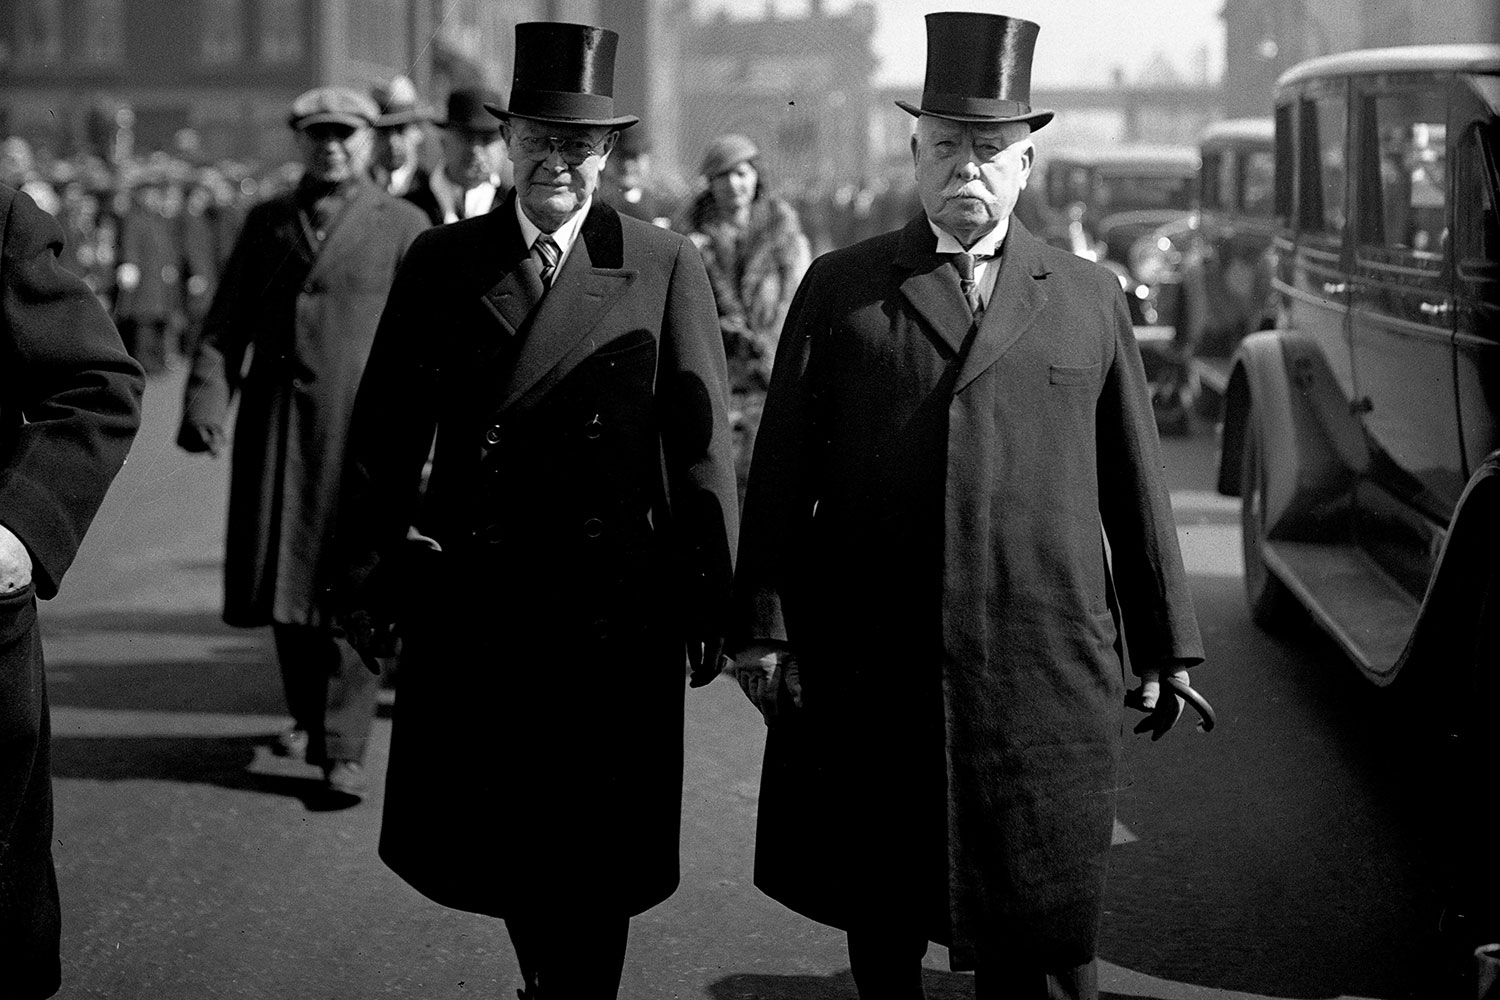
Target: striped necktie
point(964, 264)
point(548, 253)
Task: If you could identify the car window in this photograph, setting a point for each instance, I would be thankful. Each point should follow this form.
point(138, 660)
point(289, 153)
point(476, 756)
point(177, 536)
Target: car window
point(1474, 186)
point(1408, 171)
point(1324, 173)
point(1213, 189)
point(1286, 174)
point(1258, 179)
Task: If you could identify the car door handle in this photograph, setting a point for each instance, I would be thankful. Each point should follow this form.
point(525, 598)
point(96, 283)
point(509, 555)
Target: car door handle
point(1436, 308)
point(1335, 288)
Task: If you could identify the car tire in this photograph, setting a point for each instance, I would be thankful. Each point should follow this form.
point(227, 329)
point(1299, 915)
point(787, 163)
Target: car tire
point(1269, 600)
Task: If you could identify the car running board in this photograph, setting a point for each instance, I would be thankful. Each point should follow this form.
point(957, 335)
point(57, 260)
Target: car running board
point(1350, 597)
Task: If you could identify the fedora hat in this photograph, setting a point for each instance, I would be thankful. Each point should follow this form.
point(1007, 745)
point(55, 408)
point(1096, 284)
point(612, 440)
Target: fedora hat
point(398, 104)
point(565, 74)
point(466, 109)
point(979, 70)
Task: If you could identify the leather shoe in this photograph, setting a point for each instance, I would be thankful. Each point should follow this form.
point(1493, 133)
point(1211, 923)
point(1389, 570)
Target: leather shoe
point(346, 777)
point(290, 743)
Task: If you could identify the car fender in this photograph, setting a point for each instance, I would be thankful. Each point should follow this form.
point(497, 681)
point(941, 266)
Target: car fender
point(1449, 620)
point(1312, 449)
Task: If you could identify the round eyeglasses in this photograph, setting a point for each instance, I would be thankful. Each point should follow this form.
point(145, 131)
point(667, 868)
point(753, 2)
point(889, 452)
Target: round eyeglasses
point(574, 151)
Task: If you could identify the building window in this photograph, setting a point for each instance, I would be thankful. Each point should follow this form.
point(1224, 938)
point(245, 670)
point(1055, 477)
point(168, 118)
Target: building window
point(222, 41)
point(40, 40)
point(103, 32)
point(281, 31)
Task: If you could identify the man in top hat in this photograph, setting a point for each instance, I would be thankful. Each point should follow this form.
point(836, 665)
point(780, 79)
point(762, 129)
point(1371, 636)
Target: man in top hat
point(571, 554)
point(924, 609)
point(472, 178)
point(302, 292)
point(396, 164)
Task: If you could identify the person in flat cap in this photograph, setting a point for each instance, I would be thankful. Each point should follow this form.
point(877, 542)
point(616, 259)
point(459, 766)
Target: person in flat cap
point(399, 132)
point(474, 176)
point(573, 546)
point(301, 292)
point(924, 610)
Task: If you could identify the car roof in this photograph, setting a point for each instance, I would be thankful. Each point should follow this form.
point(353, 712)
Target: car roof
point(1471, 58)
point(1141, 157)
point(1239, 130)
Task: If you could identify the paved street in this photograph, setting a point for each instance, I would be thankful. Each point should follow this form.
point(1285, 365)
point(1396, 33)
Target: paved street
point(1279, 857)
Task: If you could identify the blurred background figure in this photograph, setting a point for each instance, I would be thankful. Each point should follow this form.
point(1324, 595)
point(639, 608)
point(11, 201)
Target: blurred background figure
point(628, 185)
point(475, 174)
point(756, 254)
point(149, 271)
point(399, 134)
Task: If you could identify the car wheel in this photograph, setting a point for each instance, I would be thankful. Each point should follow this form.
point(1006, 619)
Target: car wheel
point(1270, 601)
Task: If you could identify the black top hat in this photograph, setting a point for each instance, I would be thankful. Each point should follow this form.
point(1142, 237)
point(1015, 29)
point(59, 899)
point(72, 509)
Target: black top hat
point(466, 109)
point(979, 70)
point(565, 73)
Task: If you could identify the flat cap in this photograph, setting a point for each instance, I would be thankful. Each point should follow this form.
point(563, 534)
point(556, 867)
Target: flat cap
point(332, 105)
point(727, 152)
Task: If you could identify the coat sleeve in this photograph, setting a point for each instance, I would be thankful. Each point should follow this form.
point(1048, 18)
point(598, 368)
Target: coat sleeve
point(390, 434)
point(692, 399)
point(62, 365)
point(214, 376)
point(1150, 583)
point(783, 478)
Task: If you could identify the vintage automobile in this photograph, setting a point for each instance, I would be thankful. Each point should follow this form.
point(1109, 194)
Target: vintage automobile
point(1102, 201)
point(1208, 277)
point(1362, 432)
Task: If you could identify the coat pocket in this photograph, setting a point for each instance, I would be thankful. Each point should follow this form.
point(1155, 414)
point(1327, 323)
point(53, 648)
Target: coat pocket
point(1073, 375)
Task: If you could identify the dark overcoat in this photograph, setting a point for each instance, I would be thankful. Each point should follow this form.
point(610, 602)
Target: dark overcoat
point(306, 314)
point(582, 497)
point(69, 407)
point(925, 527)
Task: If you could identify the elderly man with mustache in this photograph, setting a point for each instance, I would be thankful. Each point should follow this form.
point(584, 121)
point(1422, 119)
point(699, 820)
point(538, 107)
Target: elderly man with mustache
point(925, 609)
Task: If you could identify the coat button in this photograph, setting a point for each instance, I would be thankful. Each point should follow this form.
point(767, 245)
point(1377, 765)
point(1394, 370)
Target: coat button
point(593, 527)
point(600, 628)
point(309, 288)
point(492, 436)
point(594, 428)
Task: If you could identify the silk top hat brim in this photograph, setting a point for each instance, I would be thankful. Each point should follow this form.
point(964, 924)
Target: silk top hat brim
point(564, 75)
point(979, 70)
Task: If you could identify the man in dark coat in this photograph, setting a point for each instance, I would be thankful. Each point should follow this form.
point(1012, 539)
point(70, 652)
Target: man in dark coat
point(925, 608)
point(473, 177)
point(69, 408)
point(399, 133)
point(574, 542)
point(304, 288)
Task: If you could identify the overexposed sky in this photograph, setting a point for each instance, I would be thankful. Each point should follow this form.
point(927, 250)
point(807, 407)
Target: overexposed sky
point(1080, 40)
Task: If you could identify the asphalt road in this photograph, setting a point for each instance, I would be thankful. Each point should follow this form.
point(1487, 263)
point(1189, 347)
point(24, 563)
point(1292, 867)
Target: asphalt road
point(1285, 855)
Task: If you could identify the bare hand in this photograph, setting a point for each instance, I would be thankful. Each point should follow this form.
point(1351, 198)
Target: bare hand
point(1163, 702)
point(15, 562)
point(762, 671)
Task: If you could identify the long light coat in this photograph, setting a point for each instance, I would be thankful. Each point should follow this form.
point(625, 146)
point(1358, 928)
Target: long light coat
point(582, 506)
point(306, 315)
point(925, 527)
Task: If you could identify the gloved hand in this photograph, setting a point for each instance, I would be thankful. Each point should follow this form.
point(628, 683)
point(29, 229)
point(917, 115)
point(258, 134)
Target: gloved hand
point(15, 562)
point(762, 671)
point(1163, 698)
point(195, 437)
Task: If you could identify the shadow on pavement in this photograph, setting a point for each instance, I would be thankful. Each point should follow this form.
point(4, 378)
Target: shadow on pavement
point(839, 986)
point(66, 625)
point(222, 761)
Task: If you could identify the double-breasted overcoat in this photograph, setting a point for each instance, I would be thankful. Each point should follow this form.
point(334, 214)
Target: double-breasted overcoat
point(69, 408)
point(925, 527)
point(305, 313)
point(582, 505)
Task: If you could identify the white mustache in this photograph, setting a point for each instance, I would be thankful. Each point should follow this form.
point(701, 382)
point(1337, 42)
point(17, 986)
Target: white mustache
point(970, 191)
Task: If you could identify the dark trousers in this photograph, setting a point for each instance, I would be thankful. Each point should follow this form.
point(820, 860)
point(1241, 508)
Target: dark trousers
point(887, 965)
point(329, 692)
point(30, 923)
point(572, 957)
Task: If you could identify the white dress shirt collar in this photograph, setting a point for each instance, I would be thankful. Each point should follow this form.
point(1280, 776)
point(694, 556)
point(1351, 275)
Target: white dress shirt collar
point(566, 235)
point(986, 252)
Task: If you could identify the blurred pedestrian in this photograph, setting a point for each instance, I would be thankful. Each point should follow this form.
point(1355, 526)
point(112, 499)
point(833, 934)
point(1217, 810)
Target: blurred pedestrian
point(627, 184)
point(69, 408)
point(576, 536)
point(399, 135)
point(198, 240)
point(756, 254)
point(148, 271)
point(302, 292)
point(472, 177)
point(924, 610)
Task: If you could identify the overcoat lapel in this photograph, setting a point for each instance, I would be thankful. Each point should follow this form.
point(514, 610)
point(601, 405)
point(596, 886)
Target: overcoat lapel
point(1014, 305)
point(351, 226)
point(500, 246)
point(931, 286)
point(590, 282)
